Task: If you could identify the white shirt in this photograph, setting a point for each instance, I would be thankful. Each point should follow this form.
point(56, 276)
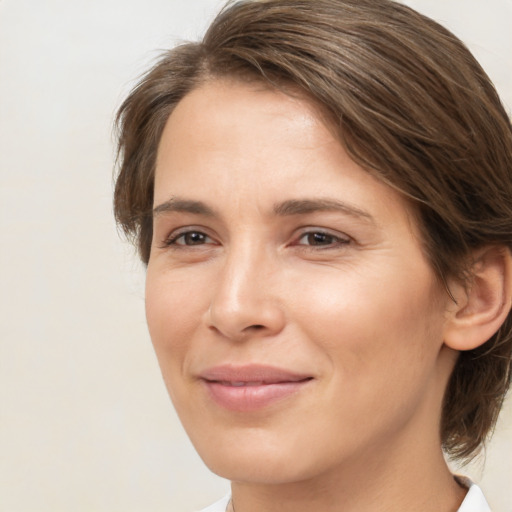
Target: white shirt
point(219, 506)
point(473, 502)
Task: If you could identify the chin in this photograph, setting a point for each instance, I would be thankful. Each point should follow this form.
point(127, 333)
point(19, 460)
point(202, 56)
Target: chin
point(258, 469)
point(259, 458)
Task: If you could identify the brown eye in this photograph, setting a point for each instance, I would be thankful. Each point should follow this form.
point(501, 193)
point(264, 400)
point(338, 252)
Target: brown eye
point(194, 238)
point(189, 238)
point(321, 239)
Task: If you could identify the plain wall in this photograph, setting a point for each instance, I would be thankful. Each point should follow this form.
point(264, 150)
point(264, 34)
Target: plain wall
point(85, 422)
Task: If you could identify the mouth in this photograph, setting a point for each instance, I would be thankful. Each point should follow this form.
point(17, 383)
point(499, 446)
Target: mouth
point(243, 383)
point(252, 387)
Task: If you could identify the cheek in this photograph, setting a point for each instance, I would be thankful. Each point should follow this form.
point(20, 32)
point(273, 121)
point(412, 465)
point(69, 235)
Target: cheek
point(173, 307)
point(381, 343)
point(377, 325)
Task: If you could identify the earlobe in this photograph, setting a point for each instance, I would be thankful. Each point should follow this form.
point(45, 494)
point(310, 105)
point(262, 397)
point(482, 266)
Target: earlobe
point(484, 303)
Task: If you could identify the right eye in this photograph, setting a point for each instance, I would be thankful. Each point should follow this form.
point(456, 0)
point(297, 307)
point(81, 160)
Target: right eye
point(189, 238)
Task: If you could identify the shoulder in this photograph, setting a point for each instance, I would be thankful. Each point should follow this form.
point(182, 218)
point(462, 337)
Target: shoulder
point(218, 506)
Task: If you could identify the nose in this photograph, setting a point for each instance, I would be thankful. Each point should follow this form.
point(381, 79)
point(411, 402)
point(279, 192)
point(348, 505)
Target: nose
point(245, 301)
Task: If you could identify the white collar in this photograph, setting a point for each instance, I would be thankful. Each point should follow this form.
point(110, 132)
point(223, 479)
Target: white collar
point(219, 506)
point(474, 500)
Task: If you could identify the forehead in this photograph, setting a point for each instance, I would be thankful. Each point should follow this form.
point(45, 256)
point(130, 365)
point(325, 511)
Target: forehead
point(260, 144)
point(247, 124)
point(229, 106)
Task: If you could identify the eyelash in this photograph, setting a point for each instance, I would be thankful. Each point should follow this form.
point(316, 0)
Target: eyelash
point(173, 239)
point(335, 241)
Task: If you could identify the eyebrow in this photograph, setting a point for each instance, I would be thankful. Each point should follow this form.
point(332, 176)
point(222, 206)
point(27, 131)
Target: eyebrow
point(305, 206)
point(286, 208)
point(175, 204)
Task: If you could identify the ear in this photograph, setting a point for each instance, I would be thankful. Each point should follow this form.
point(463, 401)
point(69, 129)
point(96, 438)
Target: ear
point(483, 304)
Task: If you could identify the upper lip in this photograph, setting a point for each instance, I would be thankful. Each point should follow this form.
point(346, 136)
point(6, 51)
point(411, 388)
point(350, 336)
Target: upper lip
point(263, 374)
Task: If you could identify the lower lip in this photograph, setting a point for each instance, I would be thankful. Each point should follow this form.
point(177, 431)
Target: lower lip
point(252, 398)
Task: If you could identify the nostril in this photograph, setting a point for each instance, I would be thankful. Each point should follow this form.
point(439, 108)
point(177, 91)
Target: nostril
point(256, 327)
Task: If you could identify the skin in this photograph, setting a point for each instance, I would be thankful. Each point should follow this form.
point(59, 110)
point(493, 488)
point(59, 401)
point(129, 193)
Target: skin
point(345, 296)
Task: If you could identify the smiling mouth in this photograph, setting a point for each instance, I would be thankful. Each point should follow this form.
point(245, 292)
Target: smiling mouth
point(251, 388)
point(239, 384)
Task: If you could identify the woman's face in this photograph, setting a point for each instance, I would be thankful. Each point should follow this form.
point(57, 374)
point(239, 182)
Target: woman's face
point(295, 318)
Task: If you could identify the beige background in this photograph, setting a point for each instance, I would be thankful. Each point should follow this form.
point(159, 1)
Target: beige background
point(85, 423)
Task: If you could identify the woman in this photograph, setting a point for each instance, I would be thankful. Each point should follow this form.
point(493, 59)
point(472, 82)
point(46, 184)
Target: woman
point(322, 193)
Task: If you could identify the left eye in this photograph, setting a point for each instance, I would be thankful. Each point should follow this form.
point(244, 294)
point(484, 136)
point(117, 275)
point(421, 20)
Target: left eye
point(321, 239)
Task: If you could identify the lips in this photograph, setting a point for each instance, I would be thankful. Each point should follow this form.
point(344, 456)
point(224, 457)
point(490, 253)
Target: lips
point(251, 387)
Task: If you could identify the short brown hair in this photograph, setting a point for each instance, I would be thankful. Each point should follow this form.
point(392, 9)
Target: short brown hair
point(410, 104)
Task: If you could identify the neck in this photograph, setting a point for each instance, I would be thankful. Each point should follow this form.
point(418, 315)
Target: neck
point(372, 486)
